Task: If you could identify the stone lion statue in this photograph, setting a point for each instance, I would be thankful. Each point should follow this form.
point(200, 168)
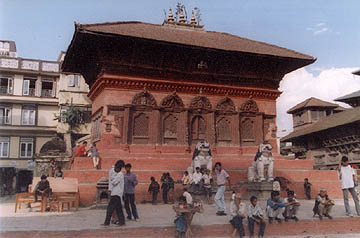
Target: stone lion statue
point(263, 161)
point(202, 157)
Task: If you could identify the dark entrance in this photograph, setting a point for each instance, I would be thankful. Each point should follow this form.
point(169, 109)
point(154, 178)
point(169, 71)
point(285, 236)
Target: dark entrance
point(23, 179)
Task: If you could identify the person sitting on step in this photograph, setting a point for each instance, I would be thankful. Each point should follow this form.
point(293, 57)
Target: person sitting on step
point(292, 206)
point(323, 204)
point(274, 207)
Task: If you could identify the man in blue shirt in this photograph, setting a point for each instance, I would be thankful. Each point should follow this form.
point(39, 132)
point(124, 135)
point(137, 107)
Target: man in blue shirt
point(129, 195)
point(275, 207)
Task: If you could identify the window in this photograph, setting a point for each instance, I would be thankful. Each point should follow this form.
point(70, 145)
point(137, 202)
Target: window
point(5, 115)
point(4, 147)
point(28, 115)
point(6, 85)
point(29, 86)
point(73, 80)
point(26, 147)
point(47, 88)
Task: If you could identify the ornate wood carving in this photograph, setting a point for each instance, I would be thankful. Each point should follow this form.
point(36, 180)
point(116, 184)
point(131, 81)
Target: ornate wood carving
point(119, 123)
point(249, 106)
point(247, 130)
point(198, 129)
point(144, 98)
point(225, 105)
point(223, 131)
point(170, 128)
point(172, 102)
point(141, 125)
point(184, 87)
point(200, 102)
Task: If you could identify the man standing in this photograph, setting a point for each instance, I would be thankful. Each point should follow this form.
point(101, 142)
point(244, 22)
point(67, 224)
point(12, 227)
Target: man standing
point(221, 177)
point(130, 183)
point(348, 181)
point(116, 186)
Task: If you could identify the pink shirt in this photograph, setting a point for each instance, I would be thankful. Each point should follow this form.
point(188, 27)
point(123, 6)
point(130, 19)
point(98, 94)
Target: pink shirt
point(221, 177)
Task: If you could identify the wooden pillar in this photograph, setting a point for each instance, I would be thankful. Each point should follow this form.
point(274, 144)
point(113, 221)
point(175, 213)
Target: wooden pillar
point(235, 129)
point(211, 128)
point(155, 127)
point(127, 125)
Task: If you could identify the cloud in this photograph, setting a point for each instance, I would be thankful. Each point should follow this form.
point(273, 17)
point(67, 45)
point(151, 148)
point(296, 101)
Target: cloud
point(302, 84)
point(320, 24)
point(322, 30)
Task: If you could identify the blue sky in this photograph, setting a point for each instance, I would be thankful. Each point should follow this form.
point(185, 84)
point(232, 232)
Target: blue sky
point(325, 29)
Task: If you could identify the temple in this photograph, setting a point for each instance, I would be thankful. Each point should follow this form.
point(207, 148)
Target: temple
point(157, 90)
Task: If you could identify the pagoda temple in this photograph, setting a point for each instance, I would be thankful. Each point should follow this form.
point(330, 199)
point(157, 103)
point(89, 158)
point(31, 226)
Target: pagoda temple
point(157, 90)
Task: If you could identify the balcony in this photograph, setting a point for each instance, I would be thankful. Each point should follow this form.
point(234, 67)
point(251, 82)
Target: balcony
point(47, 93)
point(5, 90)
point(31, 91)
point(5, 120)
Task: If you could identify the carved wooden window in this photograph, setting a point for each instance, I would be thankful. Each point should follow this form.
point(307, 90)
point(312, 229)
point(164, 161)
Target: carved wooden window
point(141, 125)
point(247, 130)
point(170, 128)
point(198, 128)
point(223, 130)
point(96, 127)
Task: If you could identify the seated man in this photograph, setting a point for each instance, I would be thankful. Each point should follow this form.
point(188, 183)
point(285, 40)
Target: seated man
point(323, 204)
point(274, 207)
point(81, 151)
point(42, 188)
point(255, 215)
point(237, 214)
point(292, 206)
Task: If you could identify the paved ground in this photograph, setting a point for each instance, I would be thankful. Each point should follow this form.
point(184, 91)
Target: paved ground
point(151, 216)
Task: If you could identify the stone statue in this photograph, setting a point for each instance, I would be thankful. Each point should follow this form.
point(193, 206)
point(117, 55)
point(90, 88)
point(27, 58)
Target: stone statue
point(202, 156)
point(263, 161)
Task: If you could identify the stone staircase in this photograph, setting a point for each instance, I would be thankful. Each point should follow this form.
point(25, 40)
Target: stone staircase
point(146, 164)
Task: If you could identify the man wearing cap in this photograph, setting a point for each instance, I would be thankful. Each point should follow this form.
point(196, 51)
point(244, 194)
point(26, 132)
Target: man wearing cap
point(348, 182)
point(323, 204)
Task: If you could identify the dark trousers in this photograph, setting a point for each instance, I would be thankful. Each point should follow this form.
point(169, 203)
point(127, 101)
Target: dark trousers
point(165, 195)
point(154, 197)
point(307, 193)
point(237, 222)
point(114, 204)
point(46, 193)
point(252, 224)
point(130, 202)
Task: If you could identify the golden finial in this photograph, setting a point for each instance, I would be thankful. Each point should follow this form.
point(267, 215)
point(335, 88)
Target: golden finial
point(193, 20)
point(171, 16)
point(182, 17)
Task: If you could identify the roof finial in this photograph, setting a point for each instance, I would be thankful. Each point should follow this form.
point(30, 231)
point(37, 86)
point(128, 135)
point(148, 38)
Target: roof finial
point(171, 16)
point(193, 21)
point(182, 17)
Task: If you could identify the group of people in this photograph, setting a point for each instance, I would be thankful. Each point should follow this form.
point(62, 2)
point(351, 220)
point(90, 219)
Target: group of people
point(200, 181)
point(122, 190)
point(82, 150)
point(54, 170)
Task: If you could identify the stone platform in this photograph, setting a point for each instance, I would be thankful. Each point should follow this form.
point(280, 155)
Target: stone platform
point(146, 163)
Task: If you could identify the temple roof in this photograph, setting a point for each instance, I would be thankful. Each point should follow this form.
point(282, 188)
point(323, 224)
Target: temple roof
point(334, 120)
point(206, 39)
point(348, 96)
point(311, 102)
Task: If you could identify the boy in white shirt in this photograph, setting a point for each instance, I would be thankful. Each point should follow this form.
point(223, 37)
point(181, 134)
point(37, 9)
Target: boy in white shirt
point(237, 214)
point(207, 184)
point(256, 215)
point(348, 182)
point(187, 195)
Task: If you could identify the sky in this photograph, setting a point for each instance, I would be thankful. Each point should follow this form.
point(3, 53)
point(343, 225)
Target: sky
point(325, 29)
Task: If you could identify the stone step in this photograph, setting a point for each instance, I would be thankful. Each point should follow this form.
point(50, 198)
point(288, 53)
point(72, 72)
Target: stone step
point(166, 163)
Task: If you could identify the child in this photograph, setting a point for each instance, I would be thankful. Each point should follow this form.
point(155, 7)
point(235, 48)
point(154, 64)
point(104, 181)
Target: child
point(237, 214)
point(292, 206)
point(59, 173)
point(180, 220)
point(323, 204)
point(189, 199)
point(307, 188)
point(94, 154)
point(255, 215)
point(207, 184)
point(186, 179)
point(165, 189)
point(274, 207)
point(154, 188)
